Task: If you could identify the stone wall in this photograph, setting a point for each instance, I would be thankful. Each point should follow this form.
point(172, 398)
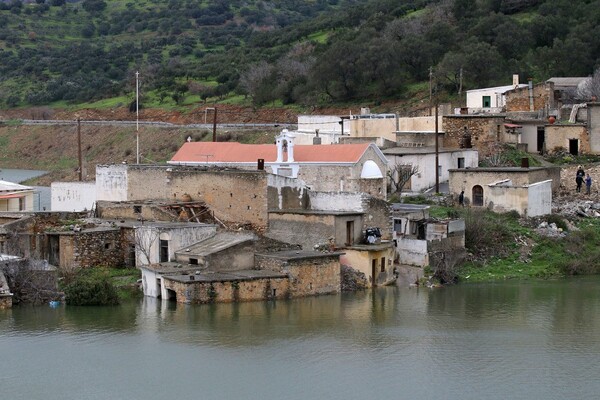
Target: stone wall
point(309, 276)
point(557, 138)
point(378, 213)
point(235, 196)
point(96, 248)
point(286, 193)
point(195, 292)
point(133, 211)
point(306, 230)
point(518, 99)
point(486, 132)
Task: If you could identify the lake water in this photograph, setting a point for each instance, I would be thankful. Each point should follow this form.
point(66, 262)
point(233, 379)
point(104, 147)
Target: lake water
point(533, 340)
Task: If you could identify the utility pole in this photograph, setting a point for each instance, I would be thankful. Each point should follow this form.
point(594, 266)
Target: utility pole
point(79, 149)
point(214, 109)
point(460, 78)
point(137, 116)
point(430, 88)
point(437, 153)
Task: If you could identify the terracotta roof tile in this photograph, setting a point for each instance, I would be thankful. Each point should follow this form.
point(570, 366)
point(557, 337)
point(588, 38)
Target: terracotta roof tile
point(232, 152)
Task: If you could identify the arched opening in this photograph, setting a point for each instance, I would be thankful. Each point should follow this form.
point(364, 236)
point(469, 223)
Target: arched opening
point(477, 195)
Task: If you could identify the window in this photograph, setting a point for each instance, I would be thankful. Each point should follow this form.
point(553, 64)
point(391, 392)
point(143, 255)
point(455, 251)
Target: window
point(382, 264)
point(398, 225)
point(477, 195)
point(461, 162)
point(486, 101)
point(137, 209)
point(21, 203)
point(164, 251)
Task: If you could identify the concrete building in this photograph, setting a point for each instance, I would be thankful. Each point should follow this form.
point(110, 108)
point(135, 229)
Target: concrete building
point(15, 197)
point(422, 241)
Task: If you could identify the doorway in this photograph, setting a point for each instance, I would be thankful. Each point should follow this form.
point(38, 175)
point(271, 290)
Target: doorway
point(574, 147)
point(541, 134)
point(477, 195)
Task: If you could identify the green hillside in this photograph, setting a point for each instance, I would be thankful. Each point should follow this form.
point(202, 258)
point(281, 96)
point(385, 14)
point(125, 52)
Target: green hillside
point(58, 53)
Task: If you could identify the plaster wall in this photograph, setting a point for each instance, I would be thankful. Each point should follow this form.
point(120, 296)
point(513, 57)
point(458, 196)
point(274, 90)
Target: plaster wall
point(111, 182)
point(425, 179)
point(419, 124)
point(558, 136)
point(594, 126)
point(147, 240)
point(412, 251)
point(72, 196)
point(373, 127)
point(362, 260)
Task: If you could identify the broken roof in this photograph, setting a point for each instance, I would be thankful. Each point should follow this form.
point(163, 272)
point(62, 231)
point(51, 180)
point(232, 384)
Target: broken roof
point(216, 243)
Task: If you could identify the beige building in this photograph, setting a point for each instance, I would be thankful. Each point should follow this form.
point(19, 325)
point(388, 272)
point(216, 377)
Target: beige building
point(525, 190)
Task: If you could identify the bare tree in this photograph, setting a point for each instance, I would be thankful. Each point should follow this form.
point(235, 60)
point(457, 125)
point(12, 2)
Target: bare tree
point(590, 88)
point(254, 79)
point(400, 174)
point(145, 239)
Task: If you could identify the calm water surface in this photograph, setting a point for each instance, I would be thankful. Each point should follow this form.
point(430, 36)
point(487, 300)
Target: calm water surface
point(535, 340)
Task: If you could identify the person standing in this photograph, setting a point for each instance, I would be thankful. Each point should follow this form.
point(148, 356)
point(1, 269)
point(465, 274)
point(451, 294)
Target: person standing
point(579, 178)
point(588, 184)
point(461, 198)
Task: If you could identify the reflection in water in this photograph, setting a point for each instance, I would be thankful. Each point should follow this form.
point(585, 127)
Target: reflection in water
point(508, 340)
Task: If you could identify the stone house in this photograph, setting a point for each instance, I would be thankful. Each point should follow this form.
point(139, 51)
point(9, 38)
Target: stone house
point(343, 167)
point(483, 132)
point(340, 221)
point(421, 240)
point(15, 197)
point(525, 190)
point(232, 195)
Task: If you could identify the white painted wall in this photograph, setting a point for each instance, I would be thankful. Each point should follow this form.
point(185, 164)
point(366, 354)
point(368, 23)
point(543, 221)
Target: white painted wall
point(412, 252)
point(324, 123)
point(497, 97)
point(531, 200)
point(426, 162)
point(419, 124)
point(111, 182)
point(336, 201)
point(147, 240)
point(149, 283)
point(72, 196)
point(539, 199)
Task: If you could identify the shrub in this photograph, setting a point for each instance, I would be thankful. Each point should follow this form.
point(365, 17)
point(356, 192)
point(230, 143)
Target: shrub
point(88, 291)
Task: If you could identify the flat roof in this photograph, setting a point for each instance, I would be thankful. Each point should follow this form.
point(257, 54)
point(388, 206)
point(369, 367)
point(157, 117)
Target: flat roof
point(242, 275)
point(409, 207)
point(316, 212)
point(421, 150)
point(300, 254)
point(501, 169)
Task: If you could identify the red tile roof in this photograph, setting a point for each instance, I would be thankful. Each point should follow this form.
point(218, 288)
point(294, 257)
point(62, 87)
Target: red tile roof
point(233, 152)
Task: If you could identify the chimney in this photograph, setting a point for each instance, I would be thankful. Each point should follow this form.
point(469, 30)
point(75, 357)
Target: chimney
point(316, 139)
point(515, 80)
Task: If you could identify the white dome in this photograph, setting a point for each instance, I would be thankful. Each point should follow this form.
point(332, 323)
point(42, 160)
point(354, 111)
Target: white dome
point(370, 170)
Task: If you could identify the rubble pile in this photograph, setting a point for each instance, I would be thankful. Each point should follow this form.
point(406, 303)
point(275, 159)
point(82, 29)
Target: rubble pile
point(575, 208)
point(550, 230)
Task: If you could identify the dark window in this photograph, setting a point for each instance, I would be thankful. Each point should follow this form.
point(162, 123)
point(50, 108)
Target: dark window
point(461, 162)
point(487, 101)
point(349, 233)
point(137, 209)
point(21, 203)
point(477, 195)
point(398, 225)
point(193, 261)
point(164, 251)
point(382, 264)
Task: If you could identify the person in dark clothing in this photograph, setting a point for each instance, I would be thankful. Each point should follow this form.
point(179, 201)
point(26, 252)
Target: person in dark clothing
point(461, 199)
point(579, 176)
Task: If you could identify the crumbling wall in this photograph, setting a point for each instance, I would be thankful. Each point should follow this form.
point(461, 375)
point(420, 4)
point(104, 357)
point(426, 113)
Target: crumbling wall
point(485, 132)
point(519, 99)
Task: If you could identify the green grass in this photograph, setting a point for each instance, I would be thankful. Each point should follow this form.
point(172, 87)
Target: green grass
point(319, 37)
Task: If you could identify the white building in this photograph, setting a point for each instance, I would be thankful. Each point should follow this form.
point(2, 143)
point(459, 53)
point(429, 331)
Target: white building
point(15, 197)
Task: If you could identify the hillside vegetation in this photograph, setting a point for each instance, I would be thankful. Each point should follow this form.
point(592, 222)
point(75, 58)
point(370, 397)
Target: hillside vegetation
point(59, 53)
